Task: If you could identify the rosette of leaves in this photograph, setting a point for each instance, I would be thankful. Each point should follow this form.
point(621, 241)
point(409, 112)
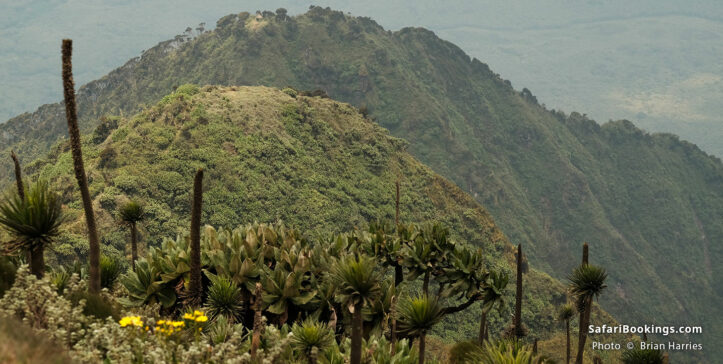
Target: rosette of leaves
point(324, 300)
point(381, 242)
point(221, 330)
point(285, 291)
point(320, 259)
point(145, 286)
point(172, 260)
point(232, 256)
point(417, 316)
point(427, 255)
point(60, 278)
point(377, 311)
point(492, 295)
point(338, 244)
point(465, 276)
point(379, 350)
point(310, 338)
point(224, 299)
point(357, 280)
point(294, 259)
point(503, 351)
point(33, 222)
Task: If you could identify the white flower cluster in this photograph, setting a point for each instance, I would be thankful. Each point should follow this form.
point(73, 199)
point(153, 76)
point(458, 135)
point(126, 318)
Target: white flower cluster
point(39, 306)
point(91, 340)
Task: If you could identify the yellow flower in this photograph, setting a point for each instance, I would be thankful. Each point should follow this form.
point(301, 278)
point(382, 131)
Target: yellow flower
point(178, 323)
point(197, 316)
point(131, 321)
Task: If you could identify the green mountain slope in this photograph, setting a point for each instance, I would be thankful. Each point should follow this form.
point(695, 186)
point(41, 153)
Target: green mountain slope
point(649, 205)
point(314, 163)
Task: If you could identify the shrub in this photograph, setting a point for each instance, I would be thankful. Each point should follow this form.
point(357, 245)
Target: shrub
point(290, 91)
point(95, 305)
point(188, 89)
point(144, 339)
point(7, 274)
point(221, 330)
point(103, 130)
point(107, 198)
point(107, 158)
point(39, 306)
point(110, 270)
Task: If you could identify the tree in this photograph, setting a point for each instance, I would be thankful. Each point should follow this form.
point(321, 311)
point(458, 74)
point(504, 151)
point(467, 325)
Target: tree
point(428, 253)
point(33, 221)
point(493, 295)
point(417, 316)
point(194, 287)
point(281, 14)
point(586, 283)
point(131, 213)
point(358, 282)
point(389, 248)
point(565, 314)
point(71, 114)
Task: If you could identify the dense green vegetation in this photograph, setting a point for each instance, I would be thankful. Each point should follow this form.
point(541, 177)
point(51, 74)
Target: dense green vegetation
point(62, 326)
point(310, 162)
point(289, 267)
point(648, 204)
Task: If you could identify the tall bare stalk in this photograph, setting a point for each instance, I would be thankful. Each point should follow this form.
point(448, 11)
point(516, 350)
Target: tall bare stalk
point(71, 114)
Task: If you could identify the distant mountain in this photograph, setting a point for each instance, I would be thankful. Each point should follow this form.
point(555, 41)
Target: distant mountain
point(655, 62)
point(649, 205)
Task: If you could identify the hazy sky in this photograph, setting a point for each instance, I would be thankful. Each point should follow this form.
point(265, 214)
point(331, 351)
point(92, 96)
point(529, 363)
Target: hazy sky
point(655, 62)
